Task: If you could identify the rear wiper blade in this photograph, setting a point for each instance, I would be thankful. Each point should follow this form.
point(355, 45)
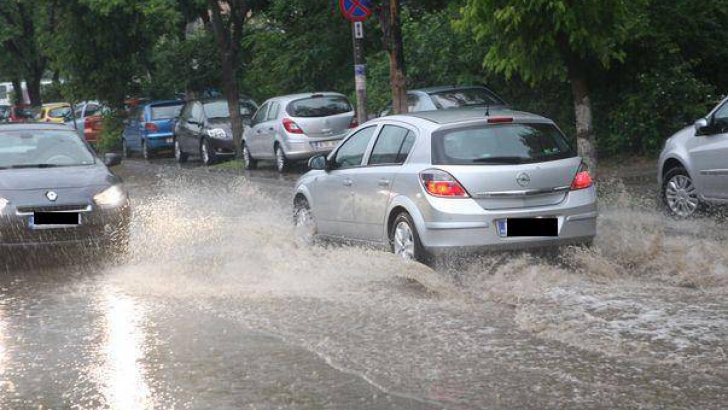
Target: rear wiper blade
point(499, 160)
point(34, 166)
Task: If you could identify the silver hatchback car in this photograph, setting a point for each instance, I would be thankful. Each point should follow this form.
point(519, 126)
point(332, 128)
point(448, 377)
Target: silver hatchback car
point(693, 169)
point(297, 127)
point(455, 180)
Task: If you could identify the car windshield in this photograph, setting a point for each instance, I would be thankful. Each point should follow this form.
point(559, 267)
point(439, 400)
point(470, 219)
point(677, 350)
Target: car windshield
point(319, 107)
point(42, 149)
point(219, 109)
point(60, 112)
point(465, 97)
point(166, 112)
point(500, 145)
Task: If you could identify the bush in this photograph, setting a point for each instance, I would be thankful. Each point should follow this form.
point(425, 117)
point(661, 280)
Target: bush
point(110, 139)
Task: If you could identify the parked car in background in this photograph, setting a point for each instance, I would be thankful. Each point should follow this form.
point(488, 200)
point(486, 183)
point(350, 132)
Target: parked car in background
point(150, 128)
point(19, 114)
point(455, 180)
point(448, 97)
point(693, 166)
point(55, 191)
point(87, 120)
point(204, 129)
point(56, 113)
point(297, 127)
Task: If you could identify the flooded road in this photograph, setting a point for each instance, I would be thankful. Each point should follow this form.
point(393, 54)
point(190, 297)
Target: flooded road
point(218, 306)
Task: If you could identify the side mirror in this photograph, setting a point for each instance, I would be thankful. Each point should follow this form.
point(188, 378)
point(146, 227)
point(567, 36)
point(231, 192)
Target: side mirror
point(112, 160)
point(701, 126)
point(318, 163)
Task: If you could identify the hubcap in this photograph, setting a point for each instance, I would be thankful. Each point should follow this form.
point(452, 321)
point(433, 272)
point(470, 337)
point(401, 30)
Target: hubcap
point(246, 155)
point(205, 154)
point(681, 196)
point(144, 150)
point(305, 225)
point(404, 241)
point(177, 150)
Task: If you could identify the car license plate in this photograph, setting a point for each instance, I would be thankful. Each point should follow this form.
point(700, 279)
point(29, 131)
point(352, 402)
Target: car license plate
point(528, 227)
point(169, 140)
point(55, 219)
point(324, 145)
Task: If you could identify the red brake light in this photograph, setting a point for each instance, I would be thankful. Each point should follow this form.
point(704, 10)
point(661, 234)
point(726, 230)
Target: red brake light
point(441, 184)
point(151, 127)
point(353, 124)
point(500, 120)
point(583, 179)
point(291, 126)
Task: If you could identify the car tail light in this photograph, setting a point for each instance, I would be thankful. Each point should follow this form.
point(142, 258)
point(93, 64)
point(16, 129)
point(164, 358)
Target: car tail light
point(291, 126)
point(441, 184)
point(353, 124)
point(500, 120)
point(583, 179)
point(151, 127)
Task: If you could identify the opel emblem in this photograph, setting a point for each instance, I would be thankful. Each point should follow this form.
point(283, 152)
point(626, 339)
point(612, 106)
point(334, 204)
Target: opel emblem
point(52, 196)
point(523, 179)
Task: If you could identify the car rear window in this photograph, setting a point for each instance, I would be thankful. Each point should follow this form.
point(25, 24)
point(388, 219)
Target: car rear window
point(464, 97)
point(166, 112)
point(319, 107)
point(59, 112)
point(501, 144)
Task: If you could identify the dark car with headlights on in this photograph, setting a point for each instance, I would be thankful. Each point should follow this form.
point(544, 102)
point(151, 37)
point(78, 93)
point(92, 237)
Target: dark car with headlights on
point(54, 190)
point(204, 129)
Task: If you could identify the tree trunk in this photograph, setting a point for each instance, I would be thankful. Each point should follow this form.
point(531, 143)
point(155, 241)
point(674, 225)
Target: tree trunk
point(34, 90)
point(18, 91)
point(585, 137)
point(392, 27)
point(232, 94)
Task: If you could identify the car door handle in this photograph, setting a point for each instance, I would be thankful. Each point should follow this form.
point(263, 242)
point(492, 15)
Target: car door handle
point(348, 183)
point(384, 183)
point(270, 129)
point(258, 132)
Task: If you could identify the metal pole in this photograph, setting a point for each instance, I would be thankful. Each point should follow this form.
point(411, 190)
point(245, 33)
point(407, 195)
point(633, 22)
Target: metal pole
point(360, 72)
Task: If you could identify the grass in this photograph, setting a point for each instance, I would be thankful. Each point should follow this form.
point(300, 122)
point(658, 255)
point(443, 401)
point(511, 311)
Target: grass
point(235, 165)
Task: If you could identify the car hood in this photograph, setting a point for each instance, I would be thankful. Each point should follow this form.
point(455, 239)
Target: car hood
point(56, 178)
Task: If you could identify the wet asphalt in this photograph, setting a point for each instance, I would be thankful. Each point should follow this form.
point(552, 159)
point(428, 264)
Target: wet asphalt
point(214, 312)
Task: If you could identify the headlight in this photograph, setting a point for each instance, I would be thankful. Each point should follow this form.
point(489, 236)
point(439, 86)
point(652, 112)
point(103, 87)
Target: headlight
point(112, 196)
point(3, 204)
point(217, 133)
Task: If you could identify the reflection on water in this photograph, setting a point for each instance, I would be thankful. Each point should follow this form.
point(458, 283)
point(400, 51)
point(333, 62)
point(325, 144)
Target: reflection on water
point(122, 376)
point(4, 384)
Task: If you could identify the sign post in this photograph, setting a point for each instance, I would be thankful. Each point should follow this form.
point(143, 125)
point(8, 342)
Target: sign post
point(357, 11)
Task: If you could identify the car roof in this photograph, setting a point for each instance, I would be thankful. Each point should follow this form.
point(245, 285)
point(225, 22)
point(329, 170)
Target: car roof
point(458, 115)
point(437, 89)
point(40, 126)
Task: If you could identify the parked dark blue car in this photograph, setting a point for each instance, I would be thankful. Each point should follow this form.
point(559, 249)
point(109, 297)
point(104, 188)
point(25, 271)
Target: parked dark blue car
point(150, 128)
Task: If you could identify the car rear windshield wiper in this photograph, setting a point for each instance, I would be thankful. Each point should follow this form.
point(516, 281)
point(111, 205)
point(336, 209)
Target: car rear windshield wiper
point(34, 166)
point(500, 160)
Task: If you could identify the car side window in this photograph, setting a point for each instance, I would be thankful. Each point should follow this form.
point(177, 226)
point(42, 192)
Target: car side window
point(720, 119)
point(351, 153)
point(413, 101)
point(273, 112)
point(260, 116)
point(393, 146)
point(197, 115)
point(78, 113)
point(92, 109)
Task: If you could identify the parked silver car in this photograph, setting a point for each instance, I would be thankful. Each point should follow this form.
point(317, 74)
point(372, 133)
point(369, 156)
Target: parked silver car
point(452, 180)
point(448, 97)
point(693, 167)
point(297, 127)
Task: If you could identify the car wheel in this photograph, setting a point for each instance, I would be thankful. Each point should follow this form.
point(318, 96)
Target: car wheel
point(125, 151)
point(250, 163)
point(179, 155)
point(281, 160)
point(206, 153)
point(405, 240)
point(146, 154)
point(679, 194)
point(304, 221)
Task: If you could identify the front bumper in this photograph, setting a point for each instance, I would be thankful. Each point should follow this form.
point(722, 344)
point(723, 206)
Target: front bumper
point(469, 227)
point(222, 147)
point(98, 227)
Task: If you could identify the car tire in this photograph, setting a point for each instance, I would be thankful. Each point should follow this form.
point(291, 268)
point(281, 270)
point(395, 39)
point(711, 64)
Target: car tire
point(304, 221)
point(179, 155)
point(146, 154)
point(250, 163)
point(679, 195)
point(206, 153)
point(282, 162)
point(405, 240)
point(125, 150)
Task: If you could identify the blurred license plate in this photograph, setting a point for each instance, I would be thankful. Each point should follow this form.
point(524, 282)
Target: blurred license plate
point(169, 140)
point(50, 219)
point(324, 145)
point(528, 227)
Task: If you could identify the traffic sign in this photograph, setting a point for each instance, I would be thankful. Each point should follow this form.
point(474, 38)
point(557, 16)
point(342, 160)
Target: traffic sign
point(356, 10)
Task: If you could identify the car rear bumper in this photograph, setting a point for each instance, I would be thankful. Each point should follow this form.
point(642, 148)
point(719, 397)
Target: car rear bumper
point(301, 149)
point(160, 141)
point(473, 228)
